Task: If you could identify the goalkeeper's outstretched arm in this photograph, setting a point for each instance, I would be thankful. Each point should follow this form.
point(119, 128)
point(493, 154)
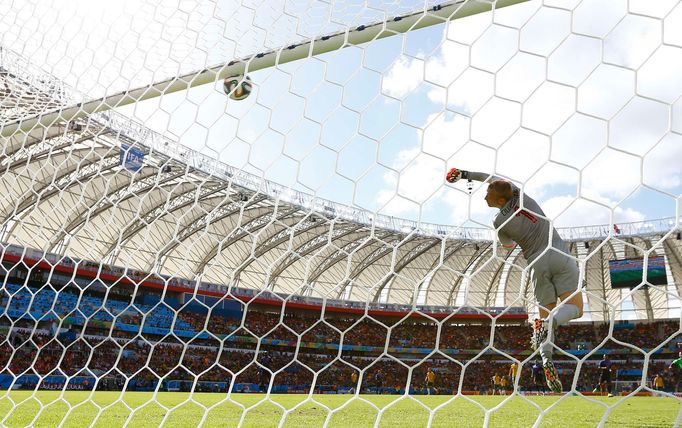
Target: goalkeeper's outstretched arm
point(499, 193)
point(455, 175)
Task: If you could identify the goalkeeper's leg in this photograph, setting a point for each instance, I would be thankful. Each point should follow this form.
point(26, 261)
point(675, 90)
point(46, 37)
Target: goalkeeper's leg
point(554, 275)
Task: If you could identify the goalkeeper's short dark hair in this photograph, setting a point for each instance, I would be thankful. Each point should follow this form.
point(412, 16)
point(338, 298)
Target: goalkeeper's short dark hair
point(502, 188)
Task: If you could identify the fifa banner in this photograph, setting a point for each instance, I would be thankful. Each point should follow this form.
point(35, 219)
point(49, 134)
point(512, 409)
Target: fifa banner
point(131, 158)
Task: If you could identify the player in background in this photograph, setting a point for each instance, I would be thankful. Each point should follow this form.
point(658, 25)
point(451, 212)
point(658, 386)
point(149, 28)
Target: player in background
point(659, 383)
point(497, 383)
point(604, 376)
point(353, 381)
point(537, 377)
point(676, 367)
point(379, 381)
point(554, 274)
point(430, 381)
point(264, 372)
point(513, 368)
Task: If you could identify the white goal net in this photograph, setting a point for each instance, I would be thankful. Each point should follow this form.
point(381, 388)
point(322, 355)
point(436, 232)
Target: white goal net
point(236, 213)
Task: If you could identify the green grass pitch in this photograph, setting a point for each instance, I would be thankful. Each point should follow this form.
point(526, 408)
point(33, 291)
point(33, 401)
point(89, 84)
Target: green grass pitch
point(183, 410)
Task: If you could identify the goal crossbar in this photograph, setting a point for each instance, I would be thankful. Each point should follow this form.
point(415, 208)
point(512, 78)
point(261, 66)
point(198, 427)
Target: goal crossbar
point(350, 37)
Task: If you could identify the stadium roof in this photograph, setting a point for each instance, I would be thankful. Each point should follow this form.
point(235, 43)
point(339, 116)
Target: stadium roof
point(65, 191)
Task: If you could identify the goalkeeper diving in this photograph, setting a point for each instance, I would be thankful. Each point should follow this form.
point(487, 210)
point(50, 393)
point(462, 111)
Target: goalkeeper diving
point(554, 274)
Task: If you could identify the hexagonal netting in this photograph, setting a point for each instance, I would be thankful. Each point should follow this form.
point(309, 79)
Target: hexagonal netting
point(243, 213)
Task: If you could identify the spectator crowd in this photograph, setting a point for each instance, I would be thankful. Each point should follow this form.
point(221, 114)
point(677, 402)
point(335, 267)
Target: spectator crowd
point(303, 349)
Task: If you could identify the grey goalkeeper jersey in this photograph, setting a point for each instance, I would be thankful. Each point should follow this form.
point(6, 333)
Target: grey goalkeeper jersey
point(526, 227)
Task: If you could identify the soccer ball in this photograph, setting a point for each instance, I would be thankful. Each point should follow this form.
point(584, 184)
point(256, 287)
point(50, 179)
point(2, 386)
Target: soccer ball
point(237, 87)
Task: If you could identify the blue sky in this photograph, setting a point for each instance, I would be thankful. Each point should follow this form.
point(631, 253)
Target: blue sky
point(570, 98)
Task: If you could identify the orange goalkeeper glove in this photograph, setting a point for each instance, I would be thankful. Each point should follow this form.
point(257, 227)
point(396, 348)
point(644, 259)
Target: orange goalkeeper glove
point(453, 175)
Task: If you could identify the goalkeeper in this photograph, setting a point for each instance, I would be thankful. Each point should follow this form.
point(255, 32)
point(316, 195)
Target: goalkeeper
point(554, 274)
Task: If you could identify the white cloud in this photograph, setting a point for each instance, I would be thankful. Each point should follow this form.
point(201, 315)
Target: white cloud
point(471, 91)
point(659, 77)
point(597, 17)
point(546, 181)
point(494, 48)
point(451, 59)
point(393, 205)
point(464, 207)
point(672, 30)
point(606, 91)
point(574, 59)
point(404, 77)
point(567, 212)
point(549, 107)
point(495, 122)
point(523, 154)
point(639, 126)
point(421, 176)
point(612, 175)
point(662, 167)
point(445, 134)
point(632, 41)
point(579, 140)
point(657, 8)
point(520, 76)
point(545, 30)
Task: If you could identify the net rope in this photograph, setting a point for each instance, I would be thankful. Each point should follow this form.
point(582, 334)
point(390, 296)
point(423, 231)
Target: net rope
point(158, 236)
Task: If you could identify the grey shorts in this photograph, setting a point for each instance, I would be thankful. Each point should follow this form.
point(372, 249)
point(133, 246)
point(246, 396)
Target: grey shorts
point(552, 275)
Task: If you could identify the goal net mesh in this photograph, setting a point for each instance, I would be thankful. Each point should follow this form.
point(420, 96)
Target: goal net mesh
point(212, 254)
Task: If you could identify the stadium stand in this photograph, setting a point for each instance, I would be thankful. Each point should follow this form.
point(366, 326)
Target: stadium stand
point(94, 336)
